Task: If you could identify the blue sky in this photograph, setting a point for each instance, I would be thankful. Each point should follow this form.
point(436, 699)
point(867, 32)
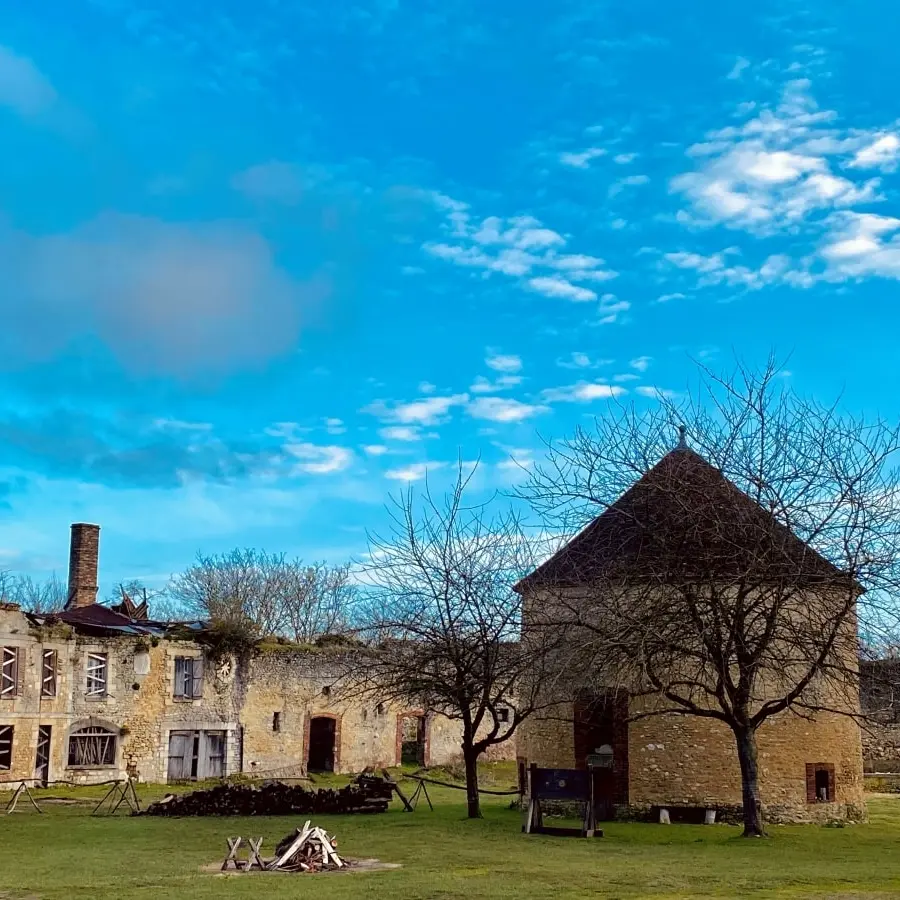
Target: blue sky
point(262, 264)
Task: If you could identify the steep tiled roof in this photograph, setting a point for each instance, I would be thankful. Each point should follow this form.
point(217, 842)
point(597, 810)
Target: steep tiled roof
point(683, 520)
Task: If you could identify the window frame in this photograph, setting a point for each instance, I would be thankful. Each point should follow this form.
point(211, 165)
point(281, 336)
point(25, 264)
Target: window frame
point(11, 664)
point(100, 689)
point(188, 683)
point(7, 738)
point(49, 673)
point(105, 758)
point(813, 770)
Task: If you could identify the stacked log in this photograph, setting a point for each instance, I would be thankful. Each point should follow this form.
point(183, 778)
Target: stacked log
point(274, 798)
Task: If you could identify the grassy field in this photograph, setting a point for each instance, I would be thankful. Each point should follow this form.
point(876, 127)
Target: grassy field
point(68, 854)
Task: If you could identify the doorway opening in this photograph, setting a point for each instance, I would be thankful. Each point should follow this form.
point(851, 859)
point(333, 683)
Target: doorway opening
point(42, 757)
point(321, 753)
point(413, 740)
point(601, 744)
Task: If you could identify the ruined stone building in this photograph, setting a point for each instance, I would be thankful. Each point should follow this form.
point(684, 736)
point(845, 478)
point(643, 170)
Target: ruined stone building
point(810, 768)
point(94, 693)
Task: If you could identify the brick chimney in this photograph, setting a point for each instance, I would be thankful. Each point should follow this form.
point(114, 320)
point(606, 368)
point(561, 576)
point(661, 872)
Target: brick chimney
point(84, 552)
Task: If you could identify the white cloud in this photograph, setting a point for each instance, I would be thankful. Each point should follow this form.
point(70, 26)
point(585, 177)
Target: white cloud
point(502, 409)
point(774, 172)
point(334, 426)
point(519, 247)
point(581, 160)
point(374, 449)
point(482, 385)
point(641, 363)
point(274, 180)
point(737, 69)
point(582, 392)
point(719, 268)
point(504, 362)
point(623, 159)
point(319, 460)
point(414, 472)
point(630, 181)
point(426, 387)
point(556, 286)
point(427, 411)
point(882, 153)
point(400, 433)
point(23, 88)
point(575, 360)
point(656, 393)
point(666, 298)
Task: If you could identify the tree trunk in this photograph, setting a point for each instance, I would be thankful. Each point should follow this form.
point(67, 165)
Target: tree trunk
point(746, 748)
point(470, 757)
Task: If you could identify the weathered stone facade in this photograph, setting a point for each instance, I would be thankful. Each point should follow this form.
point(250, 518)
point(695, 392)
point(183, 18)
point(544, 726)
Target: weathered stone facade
point(236, 707)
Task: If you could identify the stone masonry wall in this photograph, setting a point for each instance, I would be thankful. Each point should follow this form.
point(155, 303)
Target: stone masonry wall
point(239, 698)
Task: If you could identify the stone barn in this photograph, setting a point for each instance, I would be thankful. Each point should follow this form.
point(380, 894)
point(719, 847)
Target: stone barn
point(810, 767)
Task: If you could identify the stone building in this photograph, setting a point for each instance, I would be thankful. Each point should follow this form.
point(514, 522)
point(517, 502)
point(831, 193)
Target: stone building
point(810, 768)
point(94, 693)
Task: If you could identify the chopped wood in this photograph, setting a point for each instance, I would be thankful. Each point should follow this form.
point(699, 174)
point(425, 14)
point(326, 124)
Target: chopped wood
point(308, 849)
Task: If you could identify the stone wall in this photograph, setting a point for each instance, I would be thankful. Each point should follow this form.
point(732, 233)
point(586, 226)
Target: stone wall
point(240, 697)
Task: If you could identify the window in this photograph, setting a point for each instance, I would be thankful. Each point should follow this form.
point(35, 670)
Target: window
point(820, 783)
point(379, 710)
point(326, 691)
point(11, 671)
point(276, 721)
point(97, 670)
point(48, 673)
point(502, 714)
point(6, 739)
point(188, 678)
point(92, 746)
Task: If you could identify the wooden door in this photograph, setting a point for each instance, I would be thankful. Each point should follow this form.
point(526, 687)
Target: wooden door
point(42, 757)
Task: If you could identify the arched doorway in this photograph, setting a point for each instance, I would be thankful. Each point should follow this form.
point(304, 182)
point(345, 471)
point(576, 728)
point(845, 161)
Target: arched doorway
point(321, 750)
point(412, 739)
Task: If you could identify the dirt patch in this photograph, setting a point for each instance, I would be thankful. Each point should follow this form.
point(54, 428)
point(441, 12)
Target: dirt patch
point(351, 867)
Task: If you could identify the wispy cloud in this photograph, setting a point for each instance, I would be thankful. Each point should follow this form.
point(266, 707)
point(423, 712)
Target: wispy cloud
point(271, 181)
point(320, 460)
point(503, 409)
point(404, 433)
point(23, 88)
point(413, 472)
point(504, 362)
point(582, 392)
point(430, 410)
point(482, 385)
point(581, 160)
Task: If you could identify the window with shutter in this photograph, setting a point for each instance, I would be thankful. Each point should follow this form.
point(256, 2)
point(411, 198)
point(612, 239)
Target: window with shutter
point(92, 747)
point(188, 678)
point(48, 673)
point(6, 742)
point(9, 672)
point(97, 667)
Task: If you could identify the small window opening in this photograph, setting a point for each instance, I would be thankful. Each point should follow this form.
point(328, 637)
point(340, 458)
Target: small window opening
point(276, 721)
point(820, 783)
point(326, 691)
point(379, 709)
point(503, 714)
point(6, 741)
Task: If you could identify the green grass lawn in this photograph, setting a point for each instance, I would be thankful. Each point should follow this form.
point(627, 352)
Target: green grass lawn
point(68, 854)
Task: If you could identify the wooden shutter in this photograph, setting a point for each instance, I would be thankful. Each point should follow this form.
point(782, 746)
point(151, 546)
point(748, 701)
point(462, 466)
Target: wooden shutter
point(180, 662)
point(178, 752)
point(20, 671)
point(831, 794)
point(197, 678)
point(810, 782)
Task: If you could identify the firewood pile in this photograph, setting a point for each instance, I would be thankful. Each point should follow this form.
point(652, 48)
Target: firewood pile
point(308, 849)
point(369, 795)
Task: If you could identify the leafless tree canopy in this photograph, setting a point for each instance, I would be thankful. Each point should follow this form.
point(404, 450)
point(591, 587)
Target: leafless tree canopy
point(33, 595)
point(268, 593)
point(441, 620)
point(725, 583)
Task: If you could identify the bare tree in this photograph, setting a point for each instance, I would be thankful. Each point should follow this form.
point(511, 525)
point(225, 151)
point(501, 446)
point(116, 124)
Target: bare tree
point(265, 593)
point(33, 595)
point(726, 582)
point(442, 623)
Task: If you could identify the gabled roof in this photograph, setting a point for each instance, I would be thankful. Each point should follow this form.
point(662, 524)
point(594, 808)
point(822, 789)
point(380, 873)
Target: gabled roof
point(682, 520)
